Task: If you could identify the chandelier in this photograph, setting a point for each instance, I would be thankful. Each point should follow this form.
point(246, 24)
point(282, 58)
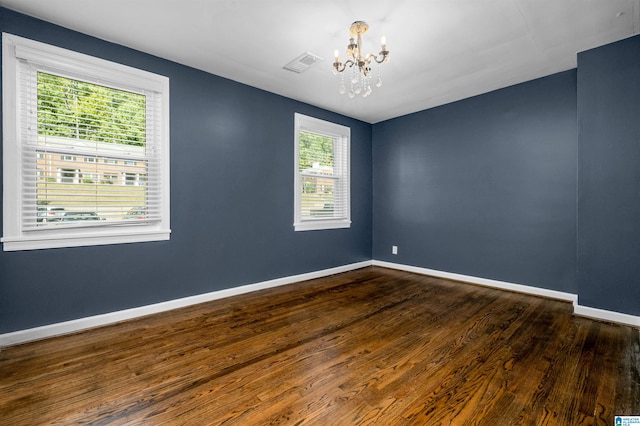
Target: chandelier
point(359, 65)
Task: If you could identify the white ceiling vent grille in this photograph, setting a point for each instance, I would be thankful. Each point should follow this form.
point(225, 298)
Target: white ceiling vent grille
point(302, 62)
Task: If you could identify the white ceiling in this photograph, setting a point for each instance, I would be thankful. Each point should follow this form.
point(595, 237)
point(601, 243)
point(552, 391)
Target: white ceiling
point(441, 50)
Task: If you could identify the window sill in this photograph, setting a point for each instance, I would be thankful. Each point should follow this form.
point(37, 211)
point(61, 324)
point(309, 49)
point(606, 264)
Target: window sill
point(37, 242)
point(313, 225)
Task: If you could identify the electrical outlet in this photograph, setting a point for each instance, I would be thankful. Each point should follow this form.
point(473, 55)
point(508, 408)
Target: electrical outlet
point(394, 249)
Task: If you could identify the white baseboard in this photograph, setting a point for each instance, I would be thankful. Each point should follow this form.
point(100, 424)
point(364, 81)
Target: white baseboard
point(37, 333)
point(583, 311)
point(520, 288)
point(604, 315)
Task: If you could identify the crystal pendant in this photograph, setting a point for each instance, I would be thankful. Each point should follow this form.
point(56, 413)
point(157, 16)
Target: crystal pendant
point(351, 94)
point(343, 89)
point(378, 82)
point(358, 90)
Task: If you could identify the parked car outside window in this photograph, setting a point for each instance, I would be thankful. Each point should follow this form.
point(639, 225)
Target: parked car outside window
point(136, 213)
point(50, 214)
point(73, 216)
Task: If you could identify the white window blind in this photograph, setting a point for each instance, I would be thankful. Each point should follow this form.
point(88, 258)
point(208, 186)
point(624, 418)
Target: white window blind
point(86, 150)
point(322, 195)
point(91, 140)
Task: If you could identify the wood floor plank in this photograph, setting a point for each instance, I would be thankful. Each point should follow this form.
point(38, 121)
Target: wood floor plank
point(372, 346)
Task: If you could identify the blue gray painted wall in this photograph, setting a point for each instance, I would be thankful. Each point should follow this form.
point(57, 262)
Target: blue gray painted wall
point(484, 187)
point(609, 177)
point(231, 202)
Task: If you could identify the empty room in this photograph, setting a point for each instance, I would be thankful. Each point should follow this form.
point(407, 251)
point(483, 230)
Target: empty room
point(329, 212)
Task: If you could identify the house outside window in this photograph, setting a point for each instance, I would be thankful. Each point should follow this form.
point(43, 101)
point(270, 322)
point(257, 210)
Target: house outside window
point(322, 175)
point(68, 156)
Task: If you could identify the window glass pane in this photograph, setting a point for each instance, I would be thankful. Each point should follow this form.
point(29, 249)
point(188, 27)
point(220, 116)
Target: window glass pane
point(316, 153)
point(316, 166)
point(80, 110)
point(91, 162)
point(317, 199)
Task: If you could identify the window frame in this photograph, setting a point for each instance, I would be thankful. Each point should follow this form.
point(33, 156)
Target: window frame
point(76, 65)
point(342, 136)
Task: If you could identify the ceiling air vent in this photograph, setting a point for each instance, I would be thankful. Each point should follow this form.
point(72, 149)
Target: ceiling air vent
point(302, 62)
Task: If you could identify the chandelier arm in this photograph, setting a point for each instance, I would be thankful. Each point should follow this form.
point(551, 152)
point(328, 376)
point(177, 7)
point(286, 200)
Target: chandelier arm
point(340, 67)
point(384, 56)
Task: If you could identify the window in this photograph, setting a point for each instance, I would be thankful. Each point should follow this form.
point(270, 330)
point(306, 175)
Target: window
point(74, 126)
point(67, 176)
point(322, 189)
point(109, 178)
point(89, 177)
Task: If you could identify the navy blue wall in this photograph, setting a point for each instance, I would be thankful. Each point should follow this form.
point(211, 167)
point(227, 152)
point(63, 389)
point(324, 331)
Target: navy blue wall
point(483, 187)
point(609, 177)
point(231, 202)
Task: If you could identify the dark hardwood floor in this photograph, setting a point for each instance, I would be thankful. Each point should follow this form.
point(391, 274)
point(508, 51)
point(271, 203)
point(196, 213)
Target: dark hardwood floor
point(373, 346)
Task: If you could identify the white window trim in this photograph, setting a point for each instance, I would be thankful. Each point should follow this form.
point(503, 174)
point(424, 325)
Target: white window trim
point(14, 237)
point(343, 133)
